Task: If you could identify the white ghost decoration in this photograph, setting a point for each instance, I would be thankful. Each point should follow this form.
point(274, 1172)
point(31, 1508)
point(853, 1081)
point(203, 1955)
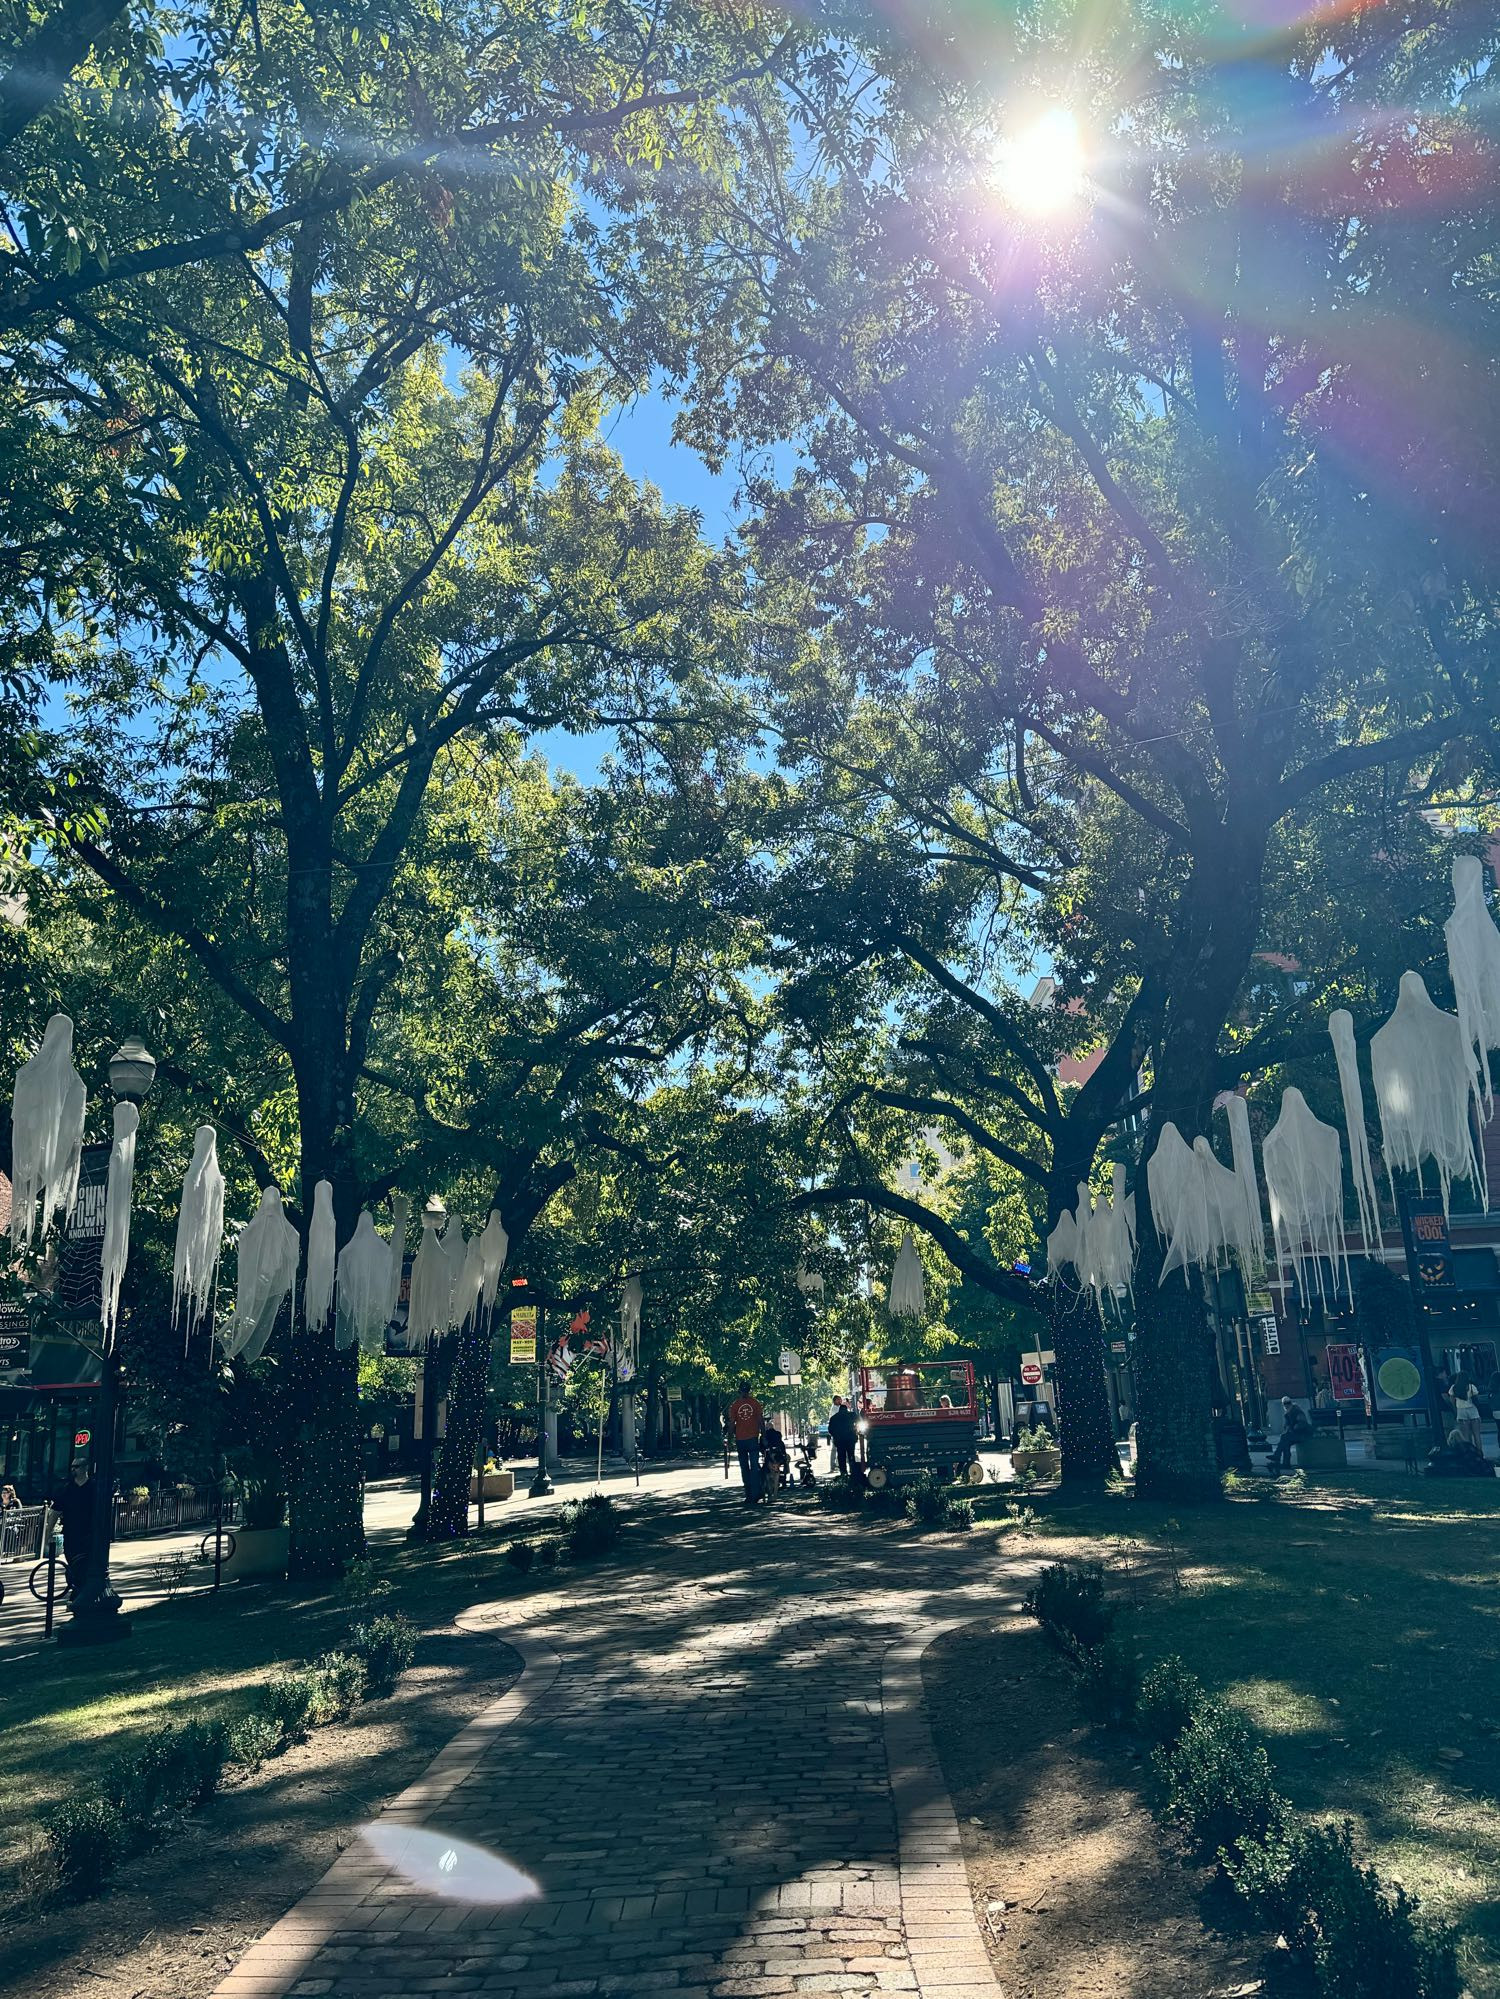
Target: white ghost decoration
point(117, 1213)
point(908, 1293)
point(1427, 1088)
point(1361, 1172)
point(1305, 1180)
point(400, 1216)
point(1106, 1238)
point(200, 1230)
point(494, 1245)
point(1062, 1245)
point(1198, 1204)
point(1474, 965)
point(365, 1299)
point(268, 1253)
point(322, 1259)
point(430, 1307)
point(1249, 1240)
point(47, 1132)
point(809, 1282)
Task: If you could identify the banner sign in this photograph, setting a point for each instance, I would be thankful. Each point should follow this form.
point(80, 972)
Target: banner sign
point(15, 1340)
point(1430, 1245)
point(1346, 1378)
point(523, 1335)
point(80, 1256)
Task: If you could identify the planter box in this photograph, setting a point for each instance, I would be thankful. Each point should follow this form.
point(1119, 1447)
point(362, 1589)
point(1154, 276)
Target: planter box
point(258, 1551)
point(497, 1485)
point(1046, 1464)
point(1321, 1454)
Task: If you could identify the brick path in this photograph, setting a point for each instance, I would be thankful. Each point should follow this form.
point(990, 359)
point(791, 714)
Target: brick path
point(716, 1768)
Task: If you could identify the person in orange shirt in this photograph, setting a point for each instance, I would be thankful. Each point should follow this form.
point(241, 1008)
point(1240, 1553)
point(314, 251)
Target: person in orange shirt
point(745, 1419)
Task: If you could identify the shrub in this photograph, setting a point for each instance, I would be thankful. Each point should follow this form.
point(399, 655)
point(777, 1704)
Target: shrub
point(1034, 1440)
point(252, 1739)
point(339, 1680)
point(1358, 1940)
point(958, 1515)
point(547, 1554)
point(591, 1526)
point(287, 1702)
point(1169, 1698)
point(362, 1584)
point(924, 1502)
point(521, 1555)
point(1068, 1597)
point(173, 1768)
point(1217, 1780)
point(386, 1645)
point(884, 1501)
point(839, 1497)
point(1108, 1683)
point(85, 1838)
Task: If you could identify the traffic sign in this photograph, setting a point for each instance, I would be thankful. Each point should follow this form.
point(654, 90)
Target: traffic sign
point(789, 1362)
point(1031, 1372)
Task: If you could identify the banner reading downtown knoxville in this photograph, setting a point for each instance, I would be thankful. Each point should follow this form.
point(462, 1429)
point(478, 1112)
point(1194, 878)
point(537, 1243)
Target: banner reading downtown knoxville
point(523, 1336)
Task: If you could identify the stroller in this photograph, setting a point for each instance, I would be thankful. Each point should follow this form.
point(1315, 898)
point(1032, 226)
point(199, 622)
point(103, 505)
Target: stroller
point(807, 1464)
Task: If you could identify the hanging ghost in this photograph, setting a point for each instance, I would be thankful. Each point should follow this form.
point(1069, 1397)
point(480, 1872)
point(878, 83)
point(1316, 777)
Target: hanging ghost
point(1249, 1239)
point(494, 1245)
point(1427, 1089)
point(1341, 1032)
point(809, 1282)
point(200, 1231)
point(322, 1259)
point(363, 1284)
point(430, 1304)
point(117, 1213)
point(1304, 1178)
point(396, 1254)
point(908, 1293)
point(1106, 1237)
point(47, 1133)
point(268, 1253)
point(1062, 1245)
point(1197, 1203)
point(1474, 966)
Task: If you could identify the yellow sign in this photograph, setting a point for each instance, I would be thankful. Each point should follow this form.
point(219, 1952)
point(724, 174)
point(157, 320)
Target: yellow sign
point(523, 1336)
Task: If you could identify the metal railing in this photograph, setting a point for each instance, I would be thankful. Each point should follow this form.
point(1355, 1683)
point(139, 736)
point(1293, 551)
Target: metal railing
point(165, 1511)
point(21, 1534)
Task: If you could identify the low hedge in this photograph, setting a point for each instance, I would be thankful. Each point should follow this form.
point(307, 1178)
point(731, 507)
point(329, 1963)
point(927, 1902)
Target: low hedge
point(176, 1769)
point(1355, 1937)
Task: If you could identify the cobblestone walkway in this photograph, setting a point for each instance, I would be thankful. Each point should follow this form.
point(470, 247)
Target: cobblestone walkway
point(715, 1769)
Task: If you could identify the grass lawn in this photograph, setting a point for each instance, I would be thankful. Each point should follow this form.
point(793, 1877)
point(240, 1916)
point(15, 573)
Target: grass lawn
point(66, 1714)
point(1358, 1623)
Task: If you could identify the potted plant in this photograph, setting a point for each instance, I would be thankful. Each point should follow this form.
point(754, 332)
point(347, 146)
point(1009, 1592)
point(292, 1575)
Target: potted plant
point(1035, 1451)
point(498, 1483)
point(262, 1538)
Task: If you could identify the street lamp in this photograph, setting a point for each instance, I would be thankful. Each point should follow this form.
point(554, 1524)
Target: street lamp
point(97, 1617)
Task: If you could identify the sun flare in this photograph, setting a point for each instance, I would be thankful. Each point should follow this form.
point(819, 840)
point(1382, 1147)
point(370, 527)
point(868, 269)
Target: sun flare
point(1042, 169)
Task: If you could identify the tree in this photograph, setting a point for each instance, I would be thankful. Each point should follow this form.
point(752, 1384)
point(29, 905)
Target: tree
point(1112, 492)
point(357, 534)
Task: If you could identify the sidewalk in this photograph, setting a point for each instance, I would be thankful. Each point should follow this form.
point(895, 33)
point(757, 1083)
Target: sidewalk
point(714, 1780)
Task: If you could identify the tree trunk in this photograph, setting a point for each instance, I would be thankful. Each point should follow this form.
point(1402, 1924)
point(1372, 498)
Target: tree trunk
point(1176, 1371)
point(1083, 1414)
point(448, 1515)
point(325, 1483)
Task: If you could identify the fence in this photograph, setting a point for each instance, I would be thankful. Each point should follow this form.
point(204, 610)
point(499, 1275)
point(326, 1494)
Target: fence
point(21, 1534)
point(165, 1510)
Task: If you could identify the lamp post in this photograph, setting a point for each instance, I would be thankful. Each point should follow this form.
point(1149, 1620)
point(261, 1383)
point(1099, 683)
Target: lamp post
point(97, 1618)
point(541, 1485)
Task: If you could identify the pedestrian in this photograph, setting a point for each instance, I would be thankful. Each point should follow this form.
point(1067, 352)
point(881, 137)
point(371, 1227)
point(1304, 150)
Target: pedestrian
point(744, 1419)
point(10, 1522)
point(1295, 1429)
point(773, 1461)
point(1464, 1396)
point(843, 1434)
point(74, 1508)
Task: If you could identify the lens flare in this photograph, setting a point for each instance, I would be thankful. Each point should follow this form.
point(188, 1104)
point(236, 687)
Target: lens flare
point(1042, 169)
point(454, 1869)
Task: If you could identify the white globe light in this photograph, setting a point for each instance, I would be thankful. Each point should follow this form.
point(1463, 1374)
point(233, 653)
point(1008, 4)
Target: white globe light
point(1042, 168)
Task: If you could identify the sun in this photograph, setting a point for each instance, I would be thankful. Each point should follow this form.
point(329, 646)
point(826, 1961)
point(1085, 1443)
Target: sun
point(1042, 169)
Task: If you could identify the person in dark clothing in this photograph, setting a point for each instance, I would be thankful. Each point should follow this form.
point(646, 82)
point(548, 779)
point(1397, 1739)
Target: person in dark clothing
point(843, 1434)
point(1295, 1429)
point(74, 1507)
